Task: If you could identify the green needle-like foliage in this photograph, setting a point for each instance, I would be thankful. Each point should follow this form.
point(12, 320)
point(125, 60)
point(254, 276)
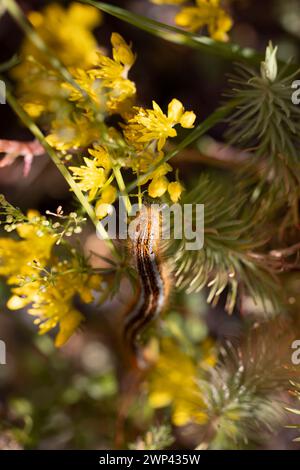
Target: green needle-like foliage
point(157, 438)
point(232, 237)
point(266, 122)
point(242, 393)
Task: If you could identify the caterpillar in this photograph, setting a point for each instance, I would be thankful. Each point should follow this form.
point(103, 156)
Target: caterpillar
point(153, 276)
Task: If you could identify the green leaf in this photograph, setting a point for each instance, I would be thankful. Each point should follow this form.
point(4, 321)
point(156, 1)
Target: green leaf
point(178, 36)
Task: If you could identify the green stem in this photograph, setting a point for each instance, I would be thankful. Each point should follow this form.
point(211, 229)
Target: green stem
point(139, 192)
point(122, 187)
point(218, 115)
point(25, 118)
point(179, 36)
point(9, 64)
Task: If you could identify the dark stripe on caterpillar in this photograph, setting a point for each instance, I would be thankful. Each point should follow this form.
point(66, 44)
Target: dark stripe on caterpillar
point(153, 292)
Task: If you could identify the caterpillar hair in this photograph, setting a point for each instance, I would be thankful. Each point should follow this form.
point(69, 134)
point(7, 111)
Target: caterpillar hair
point(153, 277)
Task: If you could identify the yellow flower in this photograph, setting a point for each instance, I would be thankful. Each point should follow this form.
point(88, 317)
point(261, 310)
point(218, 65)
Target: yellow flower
point(92, 87)
point(113, 74)
point(17, 257)
point(40, 91)
point(173, 383)
point(108, 197)
point(122, 52)
point(158, 187)
point(52, 298)
point(158, 182)
point(175, 189)
point(51, 295)
point(34, 109)
point(73, 133)
point(53, 301)
point(162, 169)
point(67, 32)
point(93, 175)
point(22, 296)
point(102, 156)
point(148, 125)
point(68, 324)
point(207, 13)
point(90, 177)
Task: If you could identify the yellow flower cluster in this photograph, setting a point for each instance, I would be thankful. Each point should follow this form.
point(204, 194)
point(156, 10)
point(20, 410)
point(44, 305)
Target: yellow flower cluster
point(119, 91)
point(107, 82)
point(148, 130)
point(75, 111)
point(152, 125)
point(207, 13)
point(52, 297)
point(17, 257)
point(92, 176)
point(95, 177)
point(106, 86)
point(68, 35)
point(172, 382)
point(73, 132)
point(67, 32)
point(23, 262)
point(158, 182)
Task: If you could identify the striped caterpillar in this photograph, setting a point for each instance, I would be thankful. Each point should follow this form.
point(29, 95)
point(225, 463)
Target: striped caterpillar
point(153, 277)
